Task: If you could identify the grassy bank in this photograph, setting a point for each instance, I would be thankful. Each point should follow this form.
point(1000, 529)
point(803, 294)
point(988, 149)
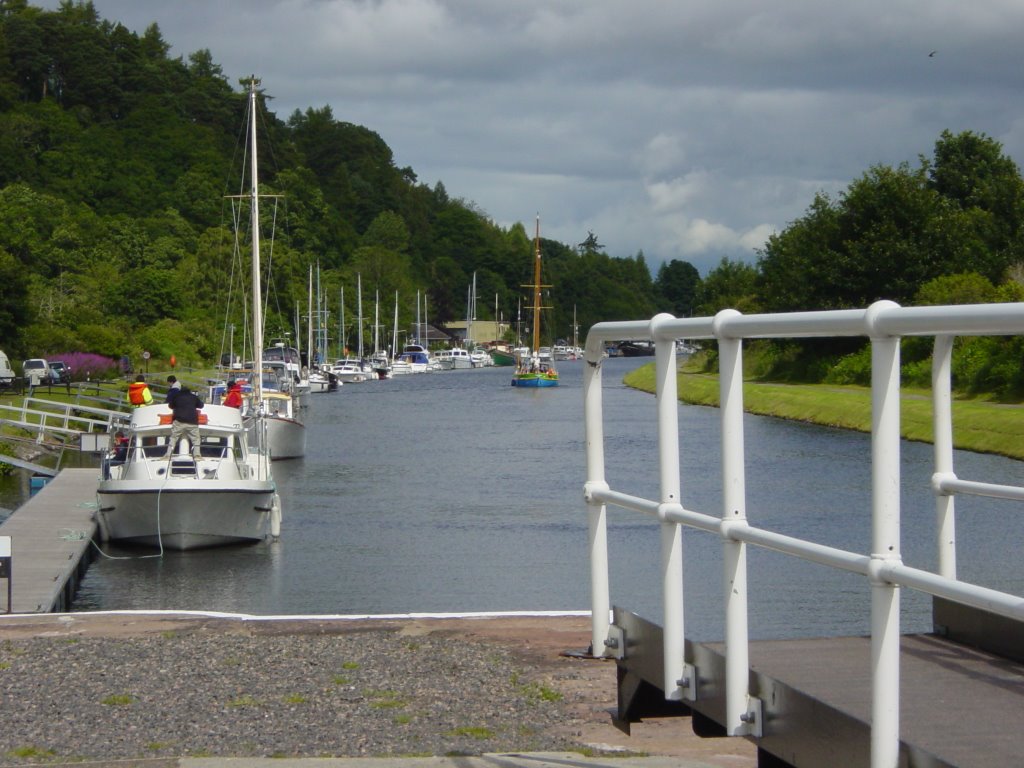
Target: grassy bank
point(979, 426)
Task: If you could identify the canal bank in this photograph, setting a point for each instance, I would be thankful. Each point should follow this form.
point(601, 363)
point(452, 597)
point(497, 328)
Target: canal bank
point(979, 425)
point(127, 686)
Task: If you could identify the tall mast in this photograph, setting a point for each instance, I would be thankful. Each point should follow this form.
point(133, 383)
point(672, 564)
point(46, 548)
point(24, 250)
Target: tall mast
point(536, 290)
point(359, 311)
point(257, 294)
point(394, 332)
point(309, 318)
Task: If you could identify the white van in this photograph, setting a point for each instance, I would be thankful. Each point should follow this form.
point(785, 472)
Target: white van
point(36, 371)
point(6, 372)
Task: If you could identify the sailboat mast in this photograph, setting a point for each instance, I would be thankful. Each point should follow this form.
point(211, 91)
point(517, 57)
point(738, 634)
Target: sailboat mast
point(257, 294)
point(536, 290)
point(309, 319)
point(394, 332)
point(359, 311)
point(376, 323)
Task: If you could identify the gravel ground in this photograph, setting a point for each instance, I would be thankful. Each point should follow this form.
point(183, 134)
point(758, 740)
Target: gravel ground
point(190, 691)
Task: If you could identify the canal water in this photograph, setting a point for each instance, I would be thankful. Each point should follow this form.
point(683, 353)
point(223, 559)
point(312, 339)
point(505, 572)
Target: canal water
point(455, 492)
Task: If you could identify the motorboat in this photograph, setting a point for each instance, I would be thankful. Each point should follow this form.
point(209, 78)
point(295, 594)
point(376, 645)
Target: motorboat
point(381, 365)
point(349, 371)
point(416, 356)
point(480, 357)
point(454, 359)
point(321, 380)
point(186, 497)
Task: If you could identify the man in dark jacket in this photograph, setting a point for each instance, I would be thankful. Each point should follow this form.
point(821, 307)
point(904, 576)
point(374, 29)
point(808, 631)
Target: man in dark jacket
point(186, 405)
point(173, 388)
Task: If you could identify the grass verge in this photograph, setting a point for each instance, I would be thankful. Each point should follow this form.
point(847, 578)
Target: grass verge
point(978, 425)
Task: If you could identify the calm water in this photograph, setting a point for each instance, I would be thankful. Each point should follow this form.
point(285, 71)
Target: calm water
point(456, 492)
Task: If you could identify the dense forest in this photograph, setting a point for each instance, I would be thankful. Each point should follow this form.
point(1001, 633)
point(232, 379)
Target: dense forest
point(117, 233)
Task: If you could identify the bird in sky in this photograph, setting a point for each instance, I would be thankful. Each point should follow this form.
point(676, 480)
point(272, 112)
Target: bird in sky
point(932, 54)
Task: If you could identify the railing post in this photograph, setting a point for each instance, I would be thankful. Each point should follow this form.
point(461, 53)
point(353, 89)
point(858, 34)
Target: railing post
point(942, 426)
point(734, 556)
point(885, 542)
point(667, 396)
point(593, 421)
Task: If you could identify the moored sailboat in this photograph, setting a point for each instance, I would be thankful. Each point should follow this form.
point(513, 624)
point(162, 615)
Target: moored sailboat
point(286, 434)
point(531, 370)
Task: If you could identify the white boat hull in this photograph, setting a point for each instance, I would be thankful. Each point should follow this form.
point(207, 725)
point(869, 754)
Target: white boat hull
point(286, 438)
point(185, 513)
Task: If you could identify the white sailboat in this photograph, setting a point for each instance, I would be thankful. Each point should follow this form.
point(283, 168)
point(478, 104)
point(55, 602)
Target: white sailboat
point(273, 401)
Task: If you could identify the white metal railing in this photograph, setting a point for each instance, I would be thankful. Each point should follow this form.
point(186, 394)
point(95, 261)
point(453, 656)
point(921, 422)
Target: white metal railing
point(51, 417)
point(884, 324)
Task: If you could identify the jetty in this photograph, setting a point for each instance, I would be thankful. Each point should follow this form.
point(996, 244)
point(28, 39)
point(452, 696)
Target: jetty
point(950, 697)
point(51, 543)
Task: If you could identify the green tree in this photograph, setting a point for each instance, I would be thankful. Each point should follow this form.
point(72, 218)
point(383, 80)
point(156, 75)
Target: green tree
point(15, 311)
point(730, 285)
point(678, 283)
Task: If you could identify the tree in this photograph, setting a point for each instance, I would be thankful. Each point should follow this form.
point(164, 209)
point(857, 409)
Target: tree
point(15, 311)
point(590, 245)
point(678, 283)
point(729, 285)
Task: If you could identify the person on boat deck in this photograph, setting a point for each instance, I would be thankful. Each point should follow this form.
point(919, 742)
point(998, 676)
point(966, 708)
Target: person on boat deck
point(186, 407)
point(120, 448)
point(138, 392)
point(233, 399)
point(173, 389)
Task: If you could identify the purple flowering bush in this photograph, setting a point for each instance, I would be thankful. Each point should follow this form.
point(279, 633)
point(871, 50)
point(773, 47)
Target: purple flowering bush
point(88, 366)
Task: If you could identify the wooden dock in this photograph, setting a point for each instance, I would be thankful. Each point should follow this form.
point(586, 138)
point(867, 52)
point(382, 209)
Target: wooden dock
point(50, 543)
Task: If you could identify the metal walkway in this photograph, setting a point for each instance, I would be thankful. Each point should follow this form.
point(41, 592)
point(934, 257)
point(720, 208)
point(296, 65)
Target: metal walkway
point(948, 699)
point(50, 542)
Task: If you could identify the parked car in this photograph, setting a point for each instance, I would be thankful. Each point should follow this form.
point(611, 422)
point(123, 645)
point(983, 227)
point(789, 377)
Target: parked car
point(60, 371)
point(37, 372)
point(6, 372)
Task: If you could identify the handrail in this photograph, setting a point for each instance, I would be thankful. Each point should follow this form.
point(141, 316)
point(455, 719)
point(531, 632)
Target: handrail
point(884, 324)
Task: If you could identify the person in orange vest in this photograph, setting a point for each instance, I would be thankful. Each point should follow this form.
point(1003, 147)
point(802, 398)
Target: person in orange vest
point(233, 399)
point(138, 392)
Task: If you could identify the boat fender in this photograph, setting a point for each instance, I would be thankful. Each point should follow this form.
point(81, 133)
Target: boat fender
point(275, 517)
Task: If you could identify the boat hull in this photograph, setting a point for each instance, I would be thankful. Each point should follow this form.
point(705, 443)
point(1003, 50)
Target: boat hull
point(184, 514)
point(534, 380)
point(286, 438)
point(502, 358)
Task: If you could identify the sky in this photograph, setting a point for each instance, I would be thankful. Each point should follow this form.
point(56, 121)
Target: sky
point(683, 129)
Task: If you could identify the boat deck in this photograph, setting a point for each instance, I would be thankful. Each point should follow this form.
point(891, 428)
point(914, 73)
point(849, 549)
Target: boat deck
point(50, 543)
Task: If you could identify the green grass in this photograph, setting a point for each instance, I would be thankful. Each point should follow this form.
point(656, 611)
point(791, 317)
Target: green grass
point(29, 752)
point(978, 425)
point(118, 700)
point(243, 701)
point(385, 700)
point(474, 732)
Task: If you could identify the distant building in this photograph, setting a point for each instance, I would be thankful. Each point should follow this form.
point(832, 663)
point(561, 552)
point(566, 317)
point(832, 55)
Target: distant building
point(483, 331)
point(429, 336)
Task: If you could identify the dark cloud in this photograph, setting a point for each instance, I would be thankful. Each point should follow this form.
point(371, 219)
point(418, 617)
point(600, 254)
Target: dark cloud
point(687, 130)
